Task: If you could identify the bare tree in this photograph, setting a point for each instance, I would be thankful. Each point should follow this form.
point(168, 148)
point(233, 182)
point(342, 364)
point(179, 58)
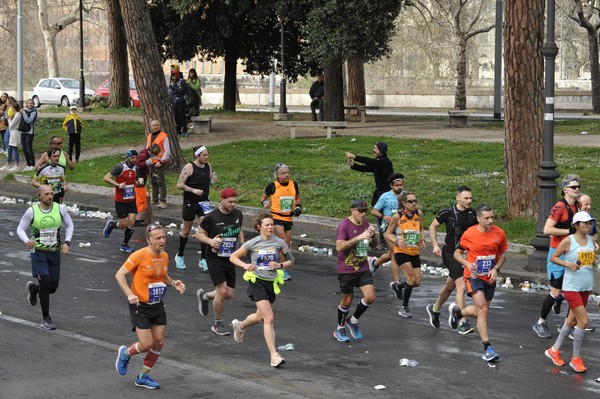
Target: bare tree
point(51, 31)
point(119, 68)
point(466, 19)
point(148, 73)
point(524, 104)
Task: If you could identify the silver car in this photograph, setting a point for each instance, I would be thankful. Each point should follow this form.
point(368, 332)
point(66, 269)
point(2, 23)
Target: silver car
point(60, 91)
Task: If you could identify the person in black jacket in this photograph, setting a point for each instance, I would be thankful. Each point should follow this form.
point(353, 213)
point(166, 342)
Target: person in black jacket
point(180, 89)
point(381, 167)
point(317, 92)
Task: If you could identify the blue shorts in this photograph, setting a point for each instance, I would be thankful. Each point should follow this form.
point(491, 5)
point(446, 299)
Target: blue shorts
point(477, 284)
point(553, 269)
point(46, 264)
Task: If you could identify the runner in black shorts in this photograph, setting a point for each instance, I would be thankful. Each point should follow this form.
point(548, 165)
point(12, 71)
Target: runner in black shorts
point(457, 218)
point(221, 230)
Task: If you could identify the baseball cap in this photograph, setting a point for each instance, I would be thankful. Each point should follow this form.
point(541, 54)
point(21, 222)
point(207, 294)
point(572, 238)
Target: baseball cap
point(359, 204)
point(73, 107)
point(228, 193)
point(582, 216)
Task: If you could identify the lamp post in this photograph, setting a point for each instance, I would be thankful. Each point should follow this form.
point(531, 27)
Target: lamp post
point(547, 174)
point(498, 61)
point(20, 52)
point(282, 104)
point(81, 78)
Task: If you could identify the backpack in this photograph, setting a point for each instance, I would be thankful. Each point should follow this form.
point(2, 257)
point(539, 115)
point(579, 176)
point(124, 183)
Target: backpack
point(23, 126)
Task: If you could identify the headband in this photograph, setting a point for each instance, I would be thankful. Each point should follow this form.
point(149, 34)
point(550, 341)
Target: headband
point(565, 184)
point(199, 151)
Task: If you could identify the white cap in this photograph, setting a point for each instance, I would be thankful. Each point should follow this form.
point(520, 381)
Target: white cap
point(73, 107)
point(582, 217)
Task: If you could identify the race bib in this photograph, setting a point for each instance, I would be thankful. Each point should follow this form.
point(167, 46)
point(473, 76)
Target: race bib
point(206, 207)
point(227, 247)
point(362, 248)
point(485, 264)
point(48, 237)
point(585, 257)
point(55, 183)
point(128, 192)
point(285, 203)
point(411, 237)
point(263, 258)
point(155, 292)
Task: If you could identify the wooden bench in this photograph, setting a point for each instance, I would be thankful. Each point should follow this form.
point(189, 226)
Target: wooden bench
point(201, 124)
point(458, 117)
point(362, 109)
point(329, 125)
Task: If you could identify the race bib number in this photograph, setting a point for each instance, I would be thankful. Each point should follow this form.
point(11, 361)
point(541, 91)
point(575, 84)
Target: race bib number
point(128, 192)
point(485, 264)
point(285, 203)
point(411, 237)
point(227, 247)
point(585, 257)
point(55, 183)
point(362, 248)
point(155, 292)
point(206, 207)
point(48, 237)
point(263, 258)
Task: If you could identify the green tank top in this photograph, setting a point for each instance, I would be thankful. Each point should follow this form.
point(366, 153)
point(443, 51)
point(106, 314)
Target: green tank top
point(46, 227)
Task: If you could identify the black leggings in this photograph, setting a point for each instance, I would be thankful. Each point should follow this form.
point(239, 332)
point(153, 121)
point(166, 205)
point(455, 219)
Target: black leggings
point(74, 140)
point(27, 144)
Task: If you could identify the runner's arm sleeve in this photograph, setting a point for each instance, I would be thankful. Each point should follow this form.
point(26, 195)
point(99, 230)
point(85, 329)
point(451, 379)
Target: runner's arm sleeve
point(24, 224)
point(67, 221)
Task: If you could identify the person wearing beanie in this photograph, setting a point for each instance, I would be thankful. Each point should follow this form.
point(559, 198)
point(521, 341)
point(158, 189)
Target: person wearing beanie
point(221, 230)
point(381, 167)
point(180, 90)
point(124, 178)
point(194, 180)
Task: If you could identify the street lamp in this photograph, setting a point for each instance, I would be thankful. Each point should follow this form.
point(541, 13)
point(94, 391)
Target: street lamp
point(282, 104)
point(547, 174)
point(81, 78)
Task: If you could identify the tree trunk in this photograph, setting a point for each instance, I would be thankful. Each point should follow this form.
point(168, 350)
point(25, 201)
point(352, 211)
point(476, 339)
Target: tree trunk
point(356, 84)
point(460, 95)
point(119, 69)
point(148, 73)
point(333, 106)
point(230, 83)
point(594, 69)
point(524, 104)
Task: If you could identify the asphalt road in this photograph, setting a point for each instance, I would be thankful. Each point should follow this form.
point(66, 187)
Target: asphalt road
point(77, 360)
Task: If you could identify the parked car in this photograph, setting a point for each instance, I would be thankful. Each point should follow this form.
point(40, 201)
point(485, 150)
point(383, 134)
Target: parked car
point(60, 91)
point(134, 99)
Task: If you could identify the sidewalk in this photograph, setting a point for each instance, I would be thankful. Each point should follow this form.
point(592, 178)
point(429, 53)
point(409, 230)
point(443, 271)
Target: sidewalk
point(308, 229)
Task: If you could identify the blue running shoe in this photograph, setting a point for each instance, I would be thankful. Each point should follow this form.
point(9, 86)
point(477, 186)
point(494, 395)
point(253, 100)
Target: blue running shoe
point(354, 331)
point(126, 248)
point(340, 335)
point(203, 265)
point(110, 225)
point(180, 262)
point(490, 355)
point(286, 275)
point(145, 381)
point(122, 360)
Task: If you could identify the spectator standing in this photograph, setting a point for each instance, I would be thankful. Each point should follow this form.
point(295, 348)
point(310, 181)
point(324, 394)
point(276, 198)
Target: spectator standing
point(29, 116)
point(180, 89)
point(14, 140)
point(195, 93)
point(4, 122)
point(317, 93)
point(73, 125)
point(159, 163)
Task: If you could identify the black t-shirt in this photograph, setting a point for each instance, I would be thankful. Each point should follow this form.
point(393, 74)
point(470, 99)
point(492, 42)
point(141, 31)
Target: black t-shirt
point(457, 222)
point(229, 225)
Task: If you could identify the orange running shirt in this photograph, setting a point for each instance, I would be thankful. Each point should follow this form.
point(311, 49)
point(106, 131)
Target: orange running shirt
point(484, 248)
point(146, 269)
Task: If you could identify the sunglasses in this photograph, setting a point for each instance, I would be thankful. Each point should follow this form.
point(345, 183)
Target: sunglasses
point(574, 187)
point(59, 143)
point(411, 201)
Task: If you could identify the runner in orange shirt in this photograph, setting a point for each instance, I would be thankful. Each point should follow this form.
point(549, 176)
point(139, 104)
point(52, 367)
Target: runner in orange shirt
point(150, 278)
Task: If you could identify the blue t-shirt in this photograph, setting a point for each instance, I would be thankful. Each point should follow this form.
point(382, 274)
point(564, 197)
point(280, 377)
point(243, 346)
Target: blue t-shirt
point(387, 203)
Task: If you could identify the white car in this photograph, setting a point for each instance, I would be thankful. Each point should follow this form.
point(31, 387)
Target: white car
point(60, 91)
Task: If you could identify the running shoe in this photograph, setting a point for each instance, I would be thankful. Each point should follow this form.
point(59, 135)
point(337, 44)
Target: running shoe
point(340, 335)
point(31, 293)
point(405, 312)
point(354, 330)
point(126, 248)
point(465, 328)
point(541, 329)
point(398, 291)
point(202, 303)
point(145, 381)
point(162, 205)
point(122, 360)
point(179, 262)
point(203, 265)
point(434, 317)
point(557, 304)
point(577, 365)
point(219, 329)
point(454, 315)
point(277, 360)
point(490, 354)
point(110, 225)
point(554, 356)
point(48, 324)
point(372, 264)
point(286, 275)
point(590, 329)
point(238, 333)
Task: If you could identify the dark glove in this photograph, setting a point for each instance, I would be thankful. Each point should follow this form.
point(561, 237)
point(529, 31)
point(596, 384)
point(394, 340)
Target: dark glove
point(297, 211)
